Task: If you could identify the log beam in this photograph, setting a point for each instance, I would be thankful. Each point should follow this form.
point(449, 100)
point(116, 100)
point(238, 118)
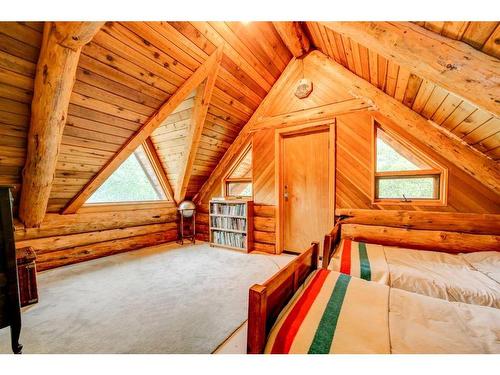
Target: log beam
point(446, 221)
point(471, 161)
point(453, 65)
point(434, 240)
point(294, 37)
point(201, 103)
point(313, 115)
point(143, 133)
point(55, 76)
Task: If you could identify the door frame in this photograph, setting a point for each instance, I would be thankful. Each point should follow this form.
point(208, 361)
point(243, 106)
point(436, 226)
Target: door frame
point(304, 129)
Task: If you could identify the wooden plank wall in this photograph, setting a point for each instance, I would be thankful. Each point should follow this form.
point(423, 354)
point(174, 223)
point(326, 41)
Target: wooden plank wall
point(68, 239)
point(19, 48)
point(353, 177)
point(352, 166)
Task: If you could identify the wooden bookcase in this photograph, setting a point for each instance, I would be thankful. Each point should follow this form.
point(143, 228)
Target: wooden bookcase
point(231, 224)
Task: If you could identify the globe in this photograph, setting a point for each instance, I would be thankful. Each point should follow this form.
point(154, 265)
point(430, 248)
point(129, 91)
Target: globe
point(186, 208)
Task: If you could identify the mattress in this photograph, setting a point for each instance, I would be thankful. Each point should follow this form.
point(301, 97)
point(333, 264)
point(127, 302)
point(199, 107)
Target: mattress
point(441, 275)
point(471, 278)
point(338, 313)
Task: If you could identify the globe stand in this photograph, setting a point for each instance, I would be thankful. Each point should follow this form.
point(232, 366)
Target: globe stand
point(191, 220)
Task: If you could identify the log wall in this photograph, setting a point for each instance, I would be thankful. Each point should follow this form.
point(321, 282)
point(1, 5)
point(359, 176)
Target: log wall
point(68, 239)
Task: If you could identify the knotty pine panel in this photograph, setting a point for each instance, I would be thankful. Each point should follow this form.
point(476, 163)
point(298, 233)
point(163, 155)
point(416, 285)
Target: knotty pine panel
point(353, 175)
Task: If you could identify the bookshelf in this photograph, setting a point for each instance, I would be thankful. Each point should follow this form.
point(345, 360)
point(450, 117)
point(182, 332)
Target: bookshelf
point(231, 224)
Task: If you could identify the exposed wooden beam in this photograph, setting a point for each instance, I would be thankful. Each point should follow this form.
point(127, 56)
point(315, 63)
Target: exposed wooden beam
point(453, 65)
point(294, 37)
point(55, 76)
point(313, 115)
point(201, 103)
point(143, 133)
point(150, 150)
point(477, 165)
point(431, 220)
point(245, 133)
point(450, 242)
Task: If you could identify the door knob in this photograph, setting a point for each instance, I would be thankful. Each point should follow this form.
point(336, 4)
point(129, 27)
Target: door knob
point(285, 193)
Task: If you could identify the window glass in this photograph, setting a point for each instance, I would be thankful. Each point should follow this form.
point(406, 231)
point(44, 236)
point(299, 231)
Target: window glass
point(410, 188)
point(133, 181)
point(239, 189)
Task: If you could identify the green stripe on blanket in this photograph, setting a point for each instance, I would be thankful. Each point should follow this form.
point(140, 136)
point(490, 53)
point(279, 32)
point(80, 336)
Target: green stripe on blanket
point(326, 329)
point(364, 263)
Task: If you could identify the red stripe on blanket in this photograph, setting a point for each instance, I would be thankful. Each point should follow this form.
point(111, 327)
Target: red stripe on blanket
point(293, 321)
point(345, 262)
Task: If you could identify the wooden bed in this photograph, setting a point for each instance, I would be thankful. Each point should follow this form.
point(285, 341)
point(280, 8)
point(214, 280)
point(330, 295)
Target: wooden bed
point(444, 232)
point(266, 301)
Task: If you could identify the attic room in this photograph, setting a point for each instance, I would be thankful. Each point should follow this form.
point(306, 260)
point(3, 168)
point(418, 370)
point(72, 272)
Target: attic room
point(237, 187)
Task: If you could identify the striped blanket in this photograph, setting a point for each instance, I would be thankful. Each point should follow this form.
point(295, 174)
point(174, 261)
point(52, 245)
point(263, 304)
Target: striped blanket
point(333, 313)
point(362, 260)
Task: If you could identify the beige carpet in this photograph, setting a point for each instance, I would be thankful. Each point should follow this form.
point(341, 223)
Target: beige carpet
point(163, 300)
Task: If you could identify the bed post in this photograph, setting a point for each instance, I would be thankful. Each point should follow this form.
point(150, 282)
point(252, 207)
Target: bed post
point(315, 255)
point(257, 319)
point(327, 244)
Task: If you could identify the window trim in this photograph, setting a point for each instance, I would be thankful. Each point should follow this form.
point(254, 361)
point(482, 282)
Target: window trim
point(125, 205)
point(436, 169)
point(225, 180)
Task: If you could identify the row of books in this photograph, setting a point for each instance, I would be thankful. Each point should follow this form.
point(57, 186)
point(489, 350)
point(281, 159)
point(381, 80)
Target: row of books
point(229, 223)
point(229, 239)
point(228, 209)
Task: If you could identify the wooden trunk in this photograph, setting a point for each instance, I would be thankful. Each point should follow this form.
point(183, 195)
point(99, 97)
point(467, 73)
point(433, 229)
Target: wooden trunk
point(26, 271)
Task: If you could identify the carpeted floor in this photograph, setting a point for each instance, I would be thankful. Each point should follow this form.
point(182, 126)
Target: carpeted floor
point(168, 299)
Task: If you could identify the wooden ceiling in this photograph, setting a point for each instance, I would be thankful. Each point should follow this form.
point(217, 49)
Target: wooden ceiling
point(131, 68)
point(476, 127)
point(483, 36)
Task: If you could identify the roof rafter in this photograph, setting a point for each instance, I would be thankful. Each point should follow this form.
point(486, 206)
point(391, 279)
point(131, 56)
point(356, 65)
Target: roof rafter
point(143, 133)
point(55, 76)
point(453, 65)
point(471, 161)
point(195, 130)
point(150, 150)
point(294, 37)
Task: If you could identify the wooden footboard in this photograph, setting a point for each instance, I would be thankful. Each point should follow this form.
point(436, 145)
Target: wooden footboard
point(266, 301)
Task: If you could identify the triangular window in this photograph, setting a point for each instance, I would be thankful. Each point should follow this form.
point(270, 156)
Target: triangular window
point(403, 174)
point(135, 180)
point(238, 182)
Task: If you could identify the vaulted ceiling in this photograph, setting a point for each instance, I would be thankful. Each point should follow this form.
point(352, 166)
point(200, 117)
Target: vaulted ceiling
point(477, 127)
point(131, 68)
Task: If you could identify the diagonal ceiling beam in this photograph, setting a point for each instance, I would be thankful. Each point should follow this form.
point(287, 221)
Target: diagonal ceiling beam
point(55, 76)
point(143, 133)
point(471, 161)
point(314, 115)
point(201, 103)
point(150, 150)
point(245, 133)
point(294, 37)
point(453, 65)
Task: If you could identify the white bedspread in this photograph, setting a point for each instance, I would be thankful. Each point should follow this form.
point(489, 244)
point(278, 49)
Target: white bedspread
point(469, 278)
point(487, 262)
point(421, 324)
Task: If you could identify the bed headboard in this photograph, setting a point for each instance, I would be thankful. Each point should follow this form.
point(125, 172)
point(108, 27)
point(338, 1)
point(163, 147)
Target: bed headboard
point(266, 301)
point(437, 231)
